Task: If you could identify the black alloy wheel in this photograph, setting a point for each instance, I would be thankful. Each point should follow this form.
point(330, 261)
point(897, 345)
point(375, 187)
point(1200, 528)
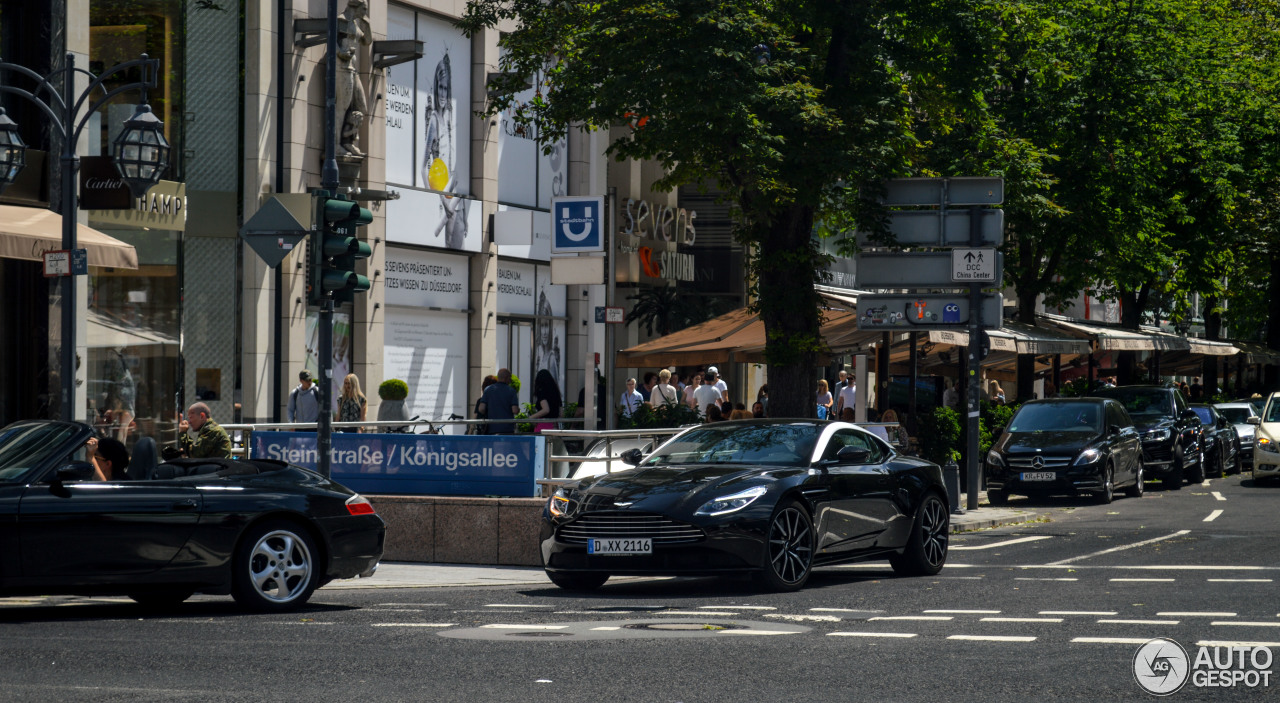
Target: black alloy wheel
point(578, 582)
point(926, 551)
point(789, 548)
point(1135, 491)
point(1197, 475)
point(1108, 492)
point(1173, 480)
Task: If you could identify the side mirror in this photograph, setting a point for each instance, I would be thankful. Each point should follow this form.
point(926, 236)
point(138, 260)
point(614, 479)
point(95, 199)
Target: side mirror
point(1190, 416)
point(75, 471)
point(1254, 421)
point(853, 455)
point(1115, 430)
point(632, 457)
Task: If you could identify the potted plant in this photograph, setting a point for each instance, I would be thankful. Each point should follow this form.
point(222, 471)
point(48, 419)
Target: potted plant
point(393, 392)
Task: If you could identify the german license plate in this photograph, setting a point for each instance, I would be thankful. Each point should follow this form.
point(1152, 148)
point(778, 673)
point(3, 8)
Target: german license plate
point(607, 545)
point(1038, 476)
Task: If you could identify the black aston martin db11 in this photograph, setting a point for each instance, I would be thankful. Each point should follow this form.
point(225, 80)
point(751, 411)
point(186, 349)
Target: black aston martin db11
point(266, 532)
point(774, 498)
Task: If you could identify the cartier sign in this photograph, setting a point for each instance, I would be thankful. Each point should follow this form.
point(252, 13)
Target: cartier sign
point(101, 187)
point(163, 207)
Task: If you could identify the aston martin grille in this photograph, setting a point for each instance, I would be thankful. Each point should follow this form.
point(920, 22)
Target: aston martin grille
point(629, 525)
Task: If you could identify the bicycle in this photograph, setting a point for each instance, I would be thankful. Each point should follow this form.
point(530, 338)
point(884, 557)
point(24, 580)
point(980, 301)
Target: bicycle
point(432, 428)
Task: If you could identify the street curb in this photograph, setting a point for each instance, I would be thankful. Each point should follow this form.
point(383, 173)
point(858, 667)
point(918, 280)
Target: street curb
point(988, 523)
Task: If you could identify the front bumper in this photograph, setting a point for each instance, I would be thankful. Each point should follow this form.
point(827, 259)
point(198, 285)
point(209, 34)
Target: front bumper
point(1158, 458)
point(1265, 464)
point(733, 547)
point(1069, 479)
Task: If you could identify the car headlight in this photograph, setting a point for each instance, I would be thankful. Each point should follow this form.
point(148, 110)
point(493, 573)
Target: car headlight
point(1087, 456)
point(994, 458)
point(731, 503)
point(1157, 435)
point(559, 504)
point(1267, 445)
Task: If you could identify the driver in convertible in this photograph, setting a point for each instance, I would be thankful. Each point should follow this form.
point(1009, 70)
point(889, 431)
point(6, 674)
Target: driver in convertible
point(109, 458)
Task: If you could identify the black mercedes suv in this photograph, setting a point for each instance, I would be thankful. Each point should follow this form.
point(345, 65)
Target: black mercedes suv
point(1170, 432)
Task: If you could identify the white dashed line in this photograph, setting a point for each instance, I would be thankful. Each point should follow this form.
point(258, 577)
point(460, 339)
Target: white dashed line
point(1144, 580)
point(605, 629)
point(1029, 578)
point(1225, 643)
point(1005, 543)
point(1021, 619)
point(1077, 612)
point(738, 607)
point(1238, 580)
point(899, 635)
point(1217, 495)
point(413, 624)
point(993, 638)
point(515, 605)
point(842, 610)
point(759, 632)
point(1110, 640)
point(524, 627)
point(914, 617)
point(1244, 623)
point(1213, 516)
point(697, 612)
point(966, 612)
point(803, 618)
point(1195, 614)
point(1138, 622)
point(1121, 548)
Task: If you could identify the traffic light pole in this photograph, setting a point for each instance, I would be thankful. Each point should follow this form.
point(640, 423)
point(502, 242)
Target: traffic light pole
point(973, 462)
point(329, 182)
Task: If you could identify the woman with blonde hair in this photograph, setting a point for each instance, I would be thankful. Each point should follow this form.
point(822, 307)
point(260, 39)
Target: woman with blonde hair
point(897, 435)
point(824, 399)
point(352, 406)
point(663, 392)
point(995, 392)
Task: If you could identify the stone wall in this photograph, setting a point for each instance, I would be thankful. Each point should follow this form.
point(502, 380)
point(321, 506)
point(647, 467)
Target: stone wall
point(461, 530)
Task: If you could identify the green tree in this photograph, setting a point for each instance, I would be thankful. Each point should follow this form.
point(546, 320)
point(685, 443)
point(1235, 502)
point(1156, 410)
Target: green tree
point(666, 309)
point(796, 108)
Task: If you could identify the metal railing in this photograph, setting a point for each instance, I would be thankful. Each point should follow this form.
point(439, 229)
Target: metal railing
point(558, 457)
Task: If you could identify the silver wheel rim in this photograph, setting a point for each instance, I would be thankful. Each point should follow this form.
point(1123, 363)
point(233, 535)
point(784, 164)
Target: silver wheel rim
point(1138, 486)
point(933, 531)
point(1109, 485)
point(280, 566)
point(790, 549)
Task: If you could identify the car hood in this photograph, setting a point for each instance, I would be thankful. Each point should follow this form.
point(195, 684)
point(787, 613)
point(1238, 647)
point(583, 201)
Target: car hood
point(654, 488)
point(1244, 429)
point(1148, 423)
point(1045, 442)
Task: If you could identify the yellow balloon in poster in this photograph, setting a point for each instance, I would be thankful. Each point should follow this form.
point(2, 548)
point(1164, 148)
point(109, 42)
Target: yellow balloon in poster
point(438, 175)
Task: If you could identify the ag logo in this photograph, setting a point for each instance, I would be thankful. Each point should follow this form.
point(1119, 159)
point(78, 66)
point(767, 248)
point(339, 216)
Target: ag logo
point(1161, 666)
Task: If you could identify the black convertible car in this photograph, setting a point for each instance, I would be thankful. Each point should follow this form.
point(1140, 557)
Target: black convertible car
point(770, 497)
point(266, 532)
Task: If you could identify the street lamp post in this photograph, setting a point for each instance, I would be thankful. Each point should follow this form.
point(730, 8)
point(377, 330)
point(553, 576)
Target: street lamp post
point(141, 155)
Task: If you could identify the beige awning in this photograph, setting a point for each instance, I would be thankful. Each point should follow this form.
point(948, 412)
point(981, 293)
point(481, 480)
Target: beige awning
point(1117, 339)
point(27, 232)
point(1208, 347)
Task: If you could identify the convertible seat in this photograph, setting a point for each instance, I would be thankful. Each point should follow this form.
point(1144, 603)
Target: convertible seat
point(184, 468)
point(144, 460)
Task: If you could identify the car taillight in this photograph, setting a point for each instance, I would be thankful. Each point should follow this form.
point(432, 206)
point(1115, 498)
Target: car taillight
point(359, 505)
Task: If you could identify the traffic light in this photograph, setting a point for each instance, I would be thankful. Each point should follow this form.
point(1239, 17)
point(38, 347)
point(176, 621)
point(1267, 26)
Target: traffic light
point(336, 246)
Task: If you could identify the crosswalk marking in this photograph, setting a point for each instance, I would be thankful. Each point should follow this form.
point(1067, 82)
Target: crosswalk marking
point(1077, 612)
point(1217, 495)
point(412, 624)
point(1239, 580)
point(1031, 578)
point(737, 607)
point(1021, 619)
point(993, 638)
point(913, 617)
point(900, 635)
point(1110, 640)
point(1244, 623)
point(1144, 580)
point(1227, 643)
point(966, 612)
point(504, 626)
point(1195, 614)
point(1138, 622)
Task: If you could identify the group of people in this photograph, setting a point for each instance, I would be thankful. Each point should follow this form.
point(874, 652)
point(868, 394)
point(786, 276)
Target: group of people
point(705, 392)
point(499, 404)
point(304, 402)
point(833, 403)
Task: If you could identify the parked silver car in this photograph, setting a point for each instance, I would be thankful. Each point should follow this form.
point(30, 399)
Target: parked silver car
point(1238, 415)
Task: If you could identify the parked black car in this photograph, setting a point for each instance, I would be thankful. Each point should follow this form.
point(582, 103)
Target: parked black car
point(773, 498)
point(1170, 432)
point(266, 532)
point(1066, 445)
point(1219, 440)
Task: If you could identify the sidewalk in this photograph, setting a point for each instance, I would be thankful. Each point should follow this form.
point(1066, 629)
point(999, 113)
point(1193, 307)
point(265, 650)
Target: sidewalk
point(418, 575)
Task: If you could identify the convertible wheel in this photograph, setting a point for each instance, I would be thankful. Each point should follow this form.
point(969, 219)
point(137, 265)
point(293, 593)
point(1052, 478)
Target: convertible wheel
point(578, 582)
point(162, 599)
point(789, 548)
point(1135, 491)
point(1108, 492)
point(275, 568)
point(926, 550)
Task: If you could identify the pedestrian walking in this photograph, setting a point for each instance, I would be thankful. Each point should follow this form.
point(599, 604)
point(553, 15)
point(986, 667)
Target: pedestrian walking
point(304, 399)
point(824, 400)
point(707, 393)
point(694, 383)
point(663, 392)
point(713, 377)
point(546, 400)
point(352, 405)
point(500, 402)
point(631, 399)
point(477, 412)
point(848, 398)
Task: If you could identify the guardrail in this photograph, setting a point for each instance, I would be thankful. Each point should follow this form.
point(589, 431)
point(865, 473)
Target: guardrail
point(242, 433)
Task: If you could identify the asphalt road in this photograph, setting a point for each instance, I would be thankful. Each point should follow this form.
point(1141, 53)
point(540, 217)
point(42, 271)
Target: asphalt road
point(1047, 611)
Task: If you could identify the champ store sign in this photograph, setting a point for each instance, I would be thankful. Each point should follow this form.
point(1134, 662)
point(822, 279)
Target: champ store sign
point(409, 464)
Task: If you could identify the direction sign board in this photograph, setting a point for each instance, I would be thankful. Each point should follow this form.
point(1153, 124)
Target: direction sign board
point(912, 270)
point(973, 265)
point(940, 228)
point(273, 232)
point(939, 191)
point(882, 312)
point(577, 224)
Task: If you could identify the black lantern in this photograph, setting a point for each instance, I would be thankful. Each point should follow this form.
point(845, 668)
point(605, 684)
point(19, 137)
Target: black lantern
point(13, 152)
point(141, 151)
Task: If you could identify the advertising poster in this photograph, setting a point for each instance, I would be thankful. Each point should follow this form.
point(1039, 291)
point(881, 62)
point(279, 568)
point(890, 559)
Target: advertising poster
point(341, 365)
point(548, 334)
point(526, 175)
point(427, 350)
point(402, 103)
point(435, 220)
point(444, 107)
point(426, 279)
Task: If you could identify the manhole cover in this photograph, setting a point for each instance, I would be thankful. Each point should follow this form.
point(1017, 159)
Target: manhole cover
point(539, 634)
point(683, 626)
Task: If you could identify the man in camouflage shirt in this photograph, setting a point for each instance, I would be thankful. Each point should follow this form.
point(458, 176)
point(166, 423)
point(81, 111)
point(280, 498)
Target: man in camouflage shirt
point(211, 441)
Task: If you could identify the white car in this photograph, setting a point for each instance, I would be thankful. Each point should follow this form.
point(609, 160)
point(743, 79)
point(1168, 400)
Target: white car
point(596, 463)
point(1266, 449)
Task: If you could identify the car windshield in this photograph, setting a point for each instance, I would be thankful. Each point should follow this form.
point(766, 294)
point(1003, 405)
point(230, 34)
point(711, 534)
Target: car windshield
point(1205, 415)
point(769, 444)
point(1236, 416)
point(1273, 411)
point(25, 445)
point(1142, 401)
point(1058, 417)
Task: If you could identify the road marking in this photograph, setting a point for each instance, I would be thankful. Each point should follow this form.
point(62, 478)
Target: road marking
point(524, 627)
point(1005, 543)
point(1144, 580)
point(413, 624)
point(1077, 612)
point(803, 618)
point(913, 617)
point(738, 607)
point(697, 612)
point(1121, 548)
point(605, 629)
point(759, 632)
point(966, 612)
point(515, 605)
point(1225, 643)
point(1110, 640)
point(303, 622)
point(1213, 516)
point(1195, 614)
point(842, 610)
point(1217, 495)
point(411, 605)
point(1238, 580)
point(1138, 622)
point(1244, 623)
point(1204, 483)
point(1021, 619)
point(1031, 578)
point(901, 635)
point(993, 638)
